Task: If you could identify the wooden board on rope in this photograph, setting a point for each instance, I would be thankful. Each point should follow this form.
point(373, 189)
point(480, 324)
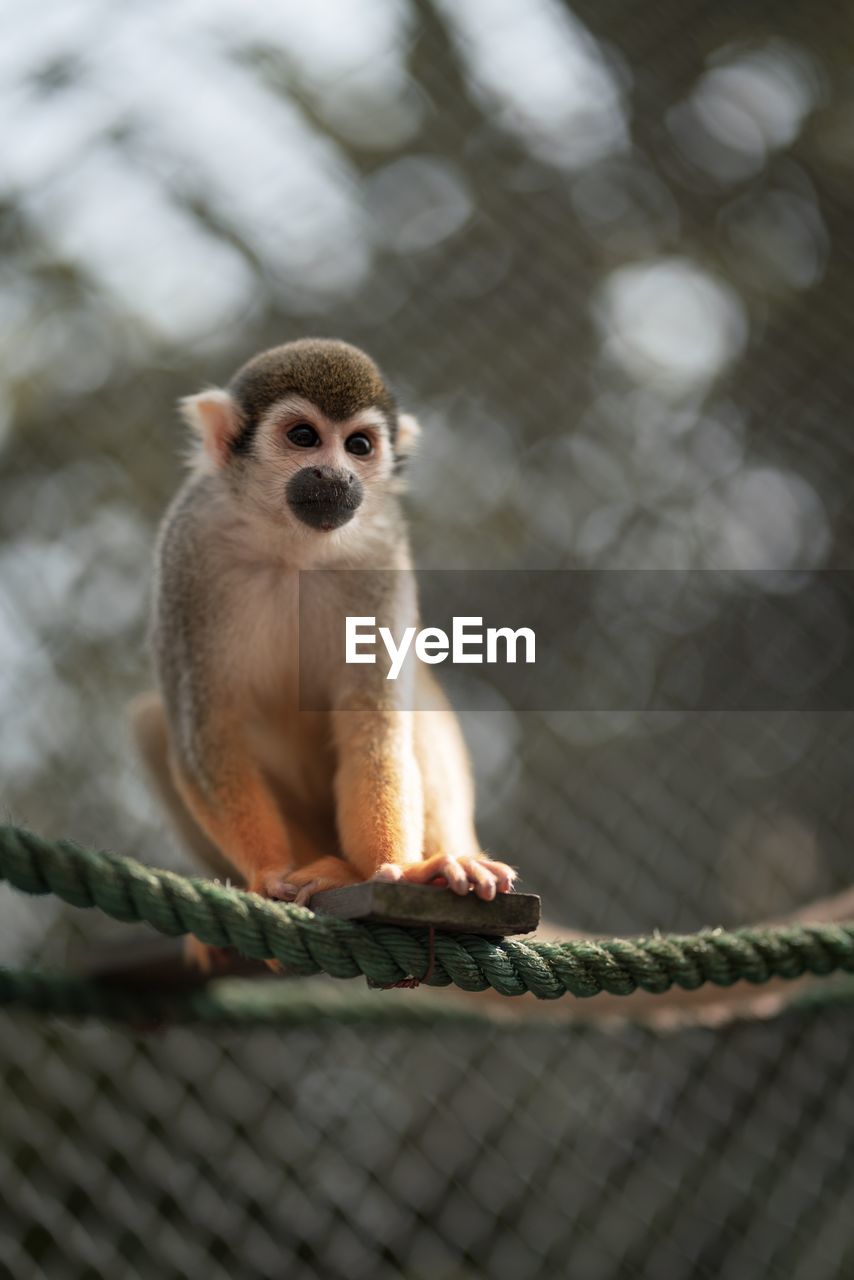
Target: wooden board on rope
point(380, 902)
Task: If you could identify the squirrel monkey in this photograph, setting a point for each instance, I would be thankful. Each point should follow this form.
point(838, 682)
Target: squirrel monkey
point(297, 466)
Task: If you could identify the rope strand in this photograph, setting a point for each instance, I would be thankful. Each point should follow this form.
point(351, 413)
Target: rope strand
point(306, 943)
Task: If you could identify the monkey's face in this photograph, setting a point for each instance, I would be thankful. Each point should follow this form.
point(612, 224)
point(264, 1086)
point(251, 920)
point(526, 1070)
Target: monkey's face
point(319, 470)
point(308, 435)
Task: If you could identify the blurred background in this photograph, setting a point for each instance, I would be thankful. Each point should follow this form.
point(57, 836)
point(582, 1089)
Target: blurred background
point(604, 252)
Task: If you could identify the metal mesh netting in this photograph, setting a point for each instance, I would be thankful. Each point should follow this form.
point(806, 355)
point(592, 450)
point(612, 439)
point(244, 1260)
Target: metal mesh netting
point(603, 251)
point(380, 1155)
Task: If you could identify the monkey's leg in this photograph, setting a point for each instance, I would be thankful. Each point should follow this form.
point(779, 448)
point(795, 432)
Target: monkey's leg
point(227, 794)
point(451, 850)
point(151, 733)
point(237, 812)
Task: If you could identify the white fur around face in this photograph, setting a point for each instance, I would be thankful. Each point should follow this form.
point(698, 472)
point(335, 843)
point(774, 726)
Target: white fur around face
point(274, 460)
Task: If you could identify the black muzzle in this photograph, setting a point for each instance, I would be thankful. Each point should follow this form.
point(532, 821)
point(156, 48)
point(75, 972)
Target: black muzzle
point(323, 497)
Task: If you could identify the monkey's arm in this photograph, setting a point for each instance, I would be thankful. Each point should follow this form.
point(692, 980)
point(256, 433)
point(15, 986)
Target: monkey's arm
point(378, 797)
point(445, 771)
point(404, 796)
point(403, 788)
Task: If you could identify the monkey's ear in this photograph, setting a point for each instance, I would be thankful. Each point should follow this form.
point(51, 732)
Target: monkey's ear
point(215, 419)
point(408, 432)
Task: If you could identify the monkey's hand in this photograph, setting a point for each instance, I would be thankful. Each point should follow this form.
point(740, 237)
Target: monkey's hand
point(297, 884)
point(484, 875)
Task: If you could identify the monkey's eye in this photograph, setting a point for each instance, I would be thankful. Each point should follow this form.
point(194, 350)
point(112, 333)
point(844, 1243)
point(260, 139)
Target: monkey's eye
point(358, 444)
point(303, 436)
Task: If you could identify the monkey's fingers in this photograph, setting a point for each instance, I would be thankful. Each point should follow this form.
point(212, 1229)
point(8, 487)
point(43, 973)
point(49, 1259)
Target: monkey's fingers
point(486, 876)
point(275, 885)
point(305, 892)
point(298, 884)
point(388, 871)
point(505, 875)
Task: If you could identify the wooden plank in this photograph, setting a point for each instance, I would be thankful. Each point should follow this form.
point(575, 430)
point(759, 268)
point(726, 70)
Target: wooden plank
point(424, 904)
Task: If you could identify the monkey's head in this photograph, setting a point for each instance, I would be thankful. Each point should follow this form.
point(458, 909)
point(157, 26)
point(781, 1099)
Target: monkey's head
point(307, 431)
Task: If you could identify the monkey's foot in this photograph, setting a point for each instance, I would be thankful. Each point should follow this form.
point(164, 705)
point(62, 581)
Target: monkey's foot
point(211, 960)
point(486, 876)
point(297, 884)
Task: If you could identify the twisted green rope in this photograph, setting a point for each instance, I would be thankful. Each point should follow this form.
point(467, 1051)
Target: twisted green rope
point(229, 1002)
point(245, 1002)
point(306, 943)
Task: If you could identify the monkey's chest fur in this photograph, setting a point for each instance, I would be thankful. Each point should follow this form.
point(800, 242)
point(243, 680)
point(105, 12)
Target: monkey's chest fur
point(292, 745)
point(237, 665)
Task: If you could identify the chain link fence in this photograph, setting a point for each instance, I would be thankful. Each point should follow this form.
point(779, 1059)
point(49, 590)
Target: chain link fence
point(604, 252)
